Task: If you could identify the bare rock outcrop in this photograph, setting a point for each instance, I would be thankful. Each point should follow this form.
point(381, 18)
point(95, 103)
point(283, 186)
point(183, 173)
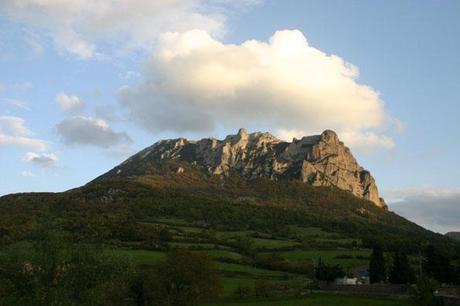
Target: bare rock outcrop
point(319, 160)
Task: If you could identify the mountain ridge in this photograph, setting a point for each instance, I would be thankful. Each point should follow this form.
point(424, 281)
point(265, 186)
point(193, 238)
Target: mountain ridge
point(318, 160)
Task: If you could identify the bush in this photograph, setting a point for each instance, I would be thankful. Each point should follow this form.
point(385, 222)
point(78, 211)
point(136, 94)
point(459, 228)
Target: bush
point(263, 288)
point(243, 292)
point(344, 256)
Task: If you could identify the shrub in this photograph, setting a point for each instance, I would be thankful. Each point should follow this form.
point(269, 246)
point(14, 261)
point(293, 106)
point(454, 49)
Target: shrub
point(263, 288)
point(243, 292)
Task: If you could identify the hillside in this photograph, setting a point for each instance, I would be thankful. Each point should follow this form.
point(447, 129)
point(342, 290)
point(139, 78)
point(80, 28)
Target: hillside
point(454, 235)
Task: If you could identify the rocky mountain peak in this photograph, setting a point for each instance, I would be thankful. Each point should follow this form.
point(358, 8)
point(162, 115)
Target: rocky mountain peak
point(318, 160)
point(329, 136)
point(242, 132)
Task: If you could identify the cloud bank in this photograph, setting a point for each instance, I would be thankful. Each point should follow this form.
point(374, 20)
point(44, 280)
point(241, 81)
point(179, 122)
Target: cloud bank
point(435, 209)
point(88, 131)
point(195, 83)
point(13, 132)
point(85, 27)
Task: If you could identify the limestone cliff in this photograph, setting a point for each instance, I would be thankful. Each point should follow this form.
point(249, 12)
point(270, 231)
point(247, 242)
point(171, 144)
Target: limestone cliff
point(320, 160)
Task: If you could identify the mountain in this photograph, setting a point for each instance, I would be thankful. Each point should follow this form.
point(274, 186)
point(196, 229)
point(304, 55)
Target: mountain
point(320, 160)
point(245, 182)
point(454, 235)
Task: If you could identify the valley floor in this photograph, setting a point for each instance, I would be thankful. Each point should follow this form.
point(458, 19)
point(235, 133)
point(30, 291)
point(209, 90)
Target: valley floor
point(236, 272)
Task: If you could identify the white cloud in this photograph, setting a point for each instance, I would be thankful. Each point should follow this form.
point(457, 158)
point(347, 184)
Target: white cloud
point(69, 103)
point(32, 143)
point(45, 160)
point(13, 132)
point(27, 142)
point(13, 126)
point(358, 141)
point(87, 131)
point(367, 142)
point(289, 135)
point(437, 209)
point(68, 40)
point(195, 83)
point(82, 27)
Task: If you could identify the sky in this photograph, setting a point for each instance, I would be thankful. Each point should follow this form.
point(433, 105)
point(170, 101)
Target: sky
point(84, 84)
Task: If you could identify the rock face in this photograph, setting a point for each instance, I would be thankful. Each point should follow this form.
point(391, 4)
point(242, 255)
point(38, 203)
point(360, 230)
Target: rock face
point(320, 160)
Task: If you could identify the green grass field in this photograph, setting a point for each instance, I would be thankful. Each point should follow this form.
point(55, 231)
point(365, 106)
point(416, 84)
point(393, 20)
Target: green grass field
point(316, 299)
point(273, 244)
point(230, 284)
point(140, 257)
point(224, 254)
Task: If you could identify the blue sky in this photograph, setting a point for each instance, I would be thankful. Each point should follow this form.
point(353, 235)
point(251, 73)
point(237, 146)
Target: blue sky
point(84, 84)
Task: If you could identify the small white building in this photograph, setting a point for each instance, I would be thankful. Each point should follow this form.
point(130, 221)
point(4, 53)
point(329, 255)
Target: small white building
point(346, 281)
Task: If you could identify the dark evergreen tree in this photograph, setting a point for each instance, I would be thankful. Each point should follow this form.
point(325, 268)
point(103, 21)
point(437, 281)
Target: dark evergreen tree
point(401, 272)
point(328, 273)
point(377, 266)
point(438, 266)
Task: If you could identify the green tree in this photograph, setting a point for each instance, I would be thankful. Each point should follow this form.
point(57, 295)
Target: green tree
point(438, 266)
point(401, 272)
point(184, 279)
point(58, 272)
point(423, 293)
point(377, 266)
point(246, 245)
point(328, 273)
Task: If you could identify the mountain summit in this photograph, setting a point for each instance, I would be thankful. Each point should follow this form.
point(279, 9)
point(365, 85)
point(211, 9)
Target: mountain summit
point(319, 160)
